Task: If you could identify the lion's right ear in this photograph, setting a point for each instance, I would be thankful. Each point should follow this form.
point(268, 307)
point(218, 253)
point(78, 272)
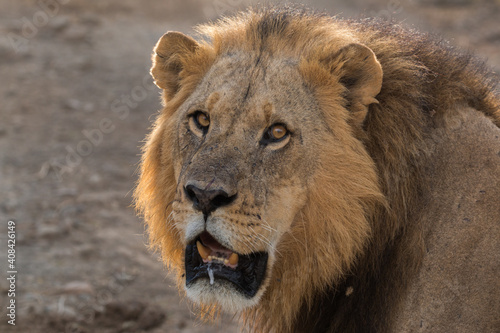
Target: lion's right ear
point(168, 57)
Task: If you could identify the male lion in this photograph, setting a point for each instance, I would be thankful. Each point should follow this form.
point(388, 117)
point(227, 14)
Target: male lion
point(322, 175)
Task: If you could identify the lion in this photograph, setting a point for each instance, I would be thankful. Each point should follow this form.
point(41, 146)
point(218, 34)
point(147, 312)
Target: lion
point(315, 174)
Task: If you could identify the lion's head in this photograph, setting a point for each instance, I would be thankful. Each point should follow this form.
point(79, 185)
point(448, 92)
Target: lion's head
point(252, 175)
point(256, 181)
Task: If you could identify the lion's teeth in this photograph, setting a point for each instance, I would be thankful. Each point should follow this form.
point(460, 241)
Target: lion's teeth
point(214, 258)
point(233, 259)
point(204, 252)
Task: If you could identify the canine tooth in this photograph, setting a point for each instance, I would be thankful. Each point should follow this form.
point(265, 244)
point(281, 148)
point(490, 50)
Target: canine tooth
point(226, 262)
point(204, 252)
point(233, 259)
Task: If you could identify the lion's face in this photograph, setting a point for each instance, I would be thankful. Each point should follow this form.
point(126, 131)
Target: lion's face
point(253, 183)
point(241, 167)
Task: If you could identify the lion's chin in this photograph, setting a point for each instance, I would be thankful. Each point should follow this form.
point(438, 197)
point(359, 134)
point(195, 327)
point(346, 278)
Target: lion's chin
point(221, 293)
point(217, 275)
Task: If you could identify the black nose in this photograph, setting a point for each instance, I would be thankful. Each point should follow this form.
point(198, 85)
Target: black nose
point(208, 201)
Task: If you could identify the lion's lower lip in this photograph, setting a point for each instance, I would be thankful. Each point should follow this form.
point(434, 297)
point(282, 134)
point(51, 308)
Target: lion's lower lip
point(246, 277)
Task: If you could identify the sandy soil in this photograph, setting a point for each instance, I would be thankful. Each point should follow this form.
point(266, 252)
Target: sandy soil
point(77, 100)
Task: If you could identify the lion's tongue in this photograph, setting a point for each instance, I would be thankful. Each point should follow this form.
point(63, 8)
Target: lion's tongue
point(211, 250)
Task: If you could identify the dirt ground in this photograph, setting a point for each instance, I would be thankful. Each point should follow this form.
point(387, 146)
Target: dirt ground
point(76, 102)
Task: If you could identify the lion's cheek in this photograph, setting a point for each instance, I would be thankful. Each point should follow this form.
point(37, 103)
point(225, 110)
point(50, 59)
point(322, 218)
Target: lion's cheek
point(283, 206)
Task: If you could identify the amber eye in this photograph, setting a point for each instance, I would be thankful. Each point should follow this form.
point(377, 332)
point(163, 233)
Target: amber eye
point(200, 120)
point(278, 131)
point(275, 133)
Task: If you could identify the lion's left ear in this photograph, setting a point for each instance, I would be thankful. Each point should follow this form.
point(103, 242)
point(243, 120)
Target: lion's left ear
point(361, 73)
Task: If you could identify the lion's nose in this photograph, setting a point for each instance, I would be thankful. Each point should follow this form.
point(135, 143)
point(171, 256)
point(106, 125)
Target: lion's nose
point(208, 201)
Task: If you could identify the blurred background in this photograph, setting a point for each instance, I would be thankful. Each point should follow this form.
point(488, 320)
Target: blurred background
point(76, 102)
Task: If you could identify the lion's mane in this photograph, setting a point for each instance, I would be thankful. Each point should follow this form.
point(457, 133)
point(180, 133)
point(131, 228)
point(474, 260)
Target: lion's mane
point(423, 80)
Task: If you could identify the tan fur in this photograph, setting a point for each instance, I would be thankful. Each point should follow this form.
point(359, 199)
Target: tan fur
point(338, 205)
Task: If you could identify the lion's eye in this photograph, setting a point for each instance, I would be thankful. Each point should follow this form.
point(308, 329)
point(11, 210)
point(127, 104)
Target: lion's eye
point(275, 133)
point(200, 120)
point(278, 132)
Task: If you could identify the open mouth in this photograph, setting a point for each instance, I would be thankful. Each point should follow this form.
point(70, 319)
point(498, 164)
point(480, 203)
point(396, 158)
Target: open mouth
point(207, 258)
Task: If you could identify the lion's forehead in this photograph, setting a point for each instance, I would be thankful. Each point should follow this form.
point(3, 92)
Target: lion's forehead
point(256, 89)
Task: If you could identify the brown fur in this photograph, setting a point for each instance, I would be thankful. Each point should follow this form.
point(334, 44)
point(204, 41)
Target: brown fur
point(359, 227)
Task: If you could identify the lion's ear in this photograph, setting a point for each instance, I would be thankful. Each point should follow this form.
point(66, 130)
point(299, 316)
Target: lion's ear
point(168, 57)
point(360, 72)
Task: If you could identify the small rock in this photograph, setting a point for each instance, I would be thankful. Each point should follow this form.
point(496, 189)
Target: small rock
point(59, 23)
point(151, 317)
point(68, 209)
point(50, 231)
point(492, 37)
point(3, 131)
point(128, 326)
point(95, 179)
point(86, 251)
point(124, 277)
point(72, 104)
point(76, 33)
point(10, 205)
point(66, 191)
point(124, 310)
point(88, 107)
point(43, 172)
point(6, 50)
point(84, 63)
point(77, 105)
point(181, 324)
point(76, 287)
point(60, 311)
point(90, 19)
